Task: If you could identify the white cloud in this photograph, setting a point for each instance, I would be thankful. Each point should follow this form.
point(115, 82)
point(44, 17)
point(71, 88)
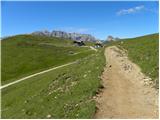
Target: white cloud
point(130, 10)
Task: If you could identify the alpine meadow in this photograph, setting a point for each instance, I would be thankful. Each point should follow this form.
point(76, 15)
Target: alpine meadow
point(80, 60)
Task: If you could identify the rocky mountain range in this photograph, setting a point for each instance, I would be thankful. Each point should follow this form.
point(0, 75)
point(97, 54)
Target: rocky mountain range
point(62, 34)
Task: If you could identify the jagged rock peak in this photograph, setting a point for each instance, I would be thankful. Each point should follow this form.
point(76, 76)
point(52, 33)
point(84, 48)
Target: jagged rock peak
point(62, 34)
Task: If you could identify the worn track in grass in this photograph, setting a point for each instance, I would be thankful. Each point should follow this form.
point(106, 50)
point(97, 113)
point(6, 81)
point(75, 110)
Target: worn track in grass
point(127, 92)
point(33, 75)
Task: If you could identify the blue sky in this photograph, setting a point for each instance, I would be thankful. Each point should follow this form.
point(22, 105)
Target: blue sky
point(119, 19)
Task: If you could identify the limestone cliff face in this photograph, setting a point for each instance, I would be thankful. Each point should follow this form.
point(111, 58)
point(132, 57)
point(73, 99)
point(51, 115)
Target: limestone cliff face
point(62, 34)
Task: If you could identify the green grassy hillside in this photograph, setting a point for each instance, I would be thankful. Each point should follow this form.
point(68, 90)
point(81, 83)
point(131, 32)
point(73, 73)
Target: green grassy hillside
point(63, 93)
point(144, 52)
point(23, 55)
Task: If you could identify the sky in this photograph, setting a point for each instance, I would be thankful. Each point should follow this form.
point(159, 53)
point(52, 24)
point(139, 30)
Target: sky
point(100, 19)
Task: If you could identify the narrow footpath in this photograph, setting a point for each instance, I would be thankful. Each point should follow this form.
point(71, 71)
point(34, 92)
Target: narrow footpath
point(127, 92)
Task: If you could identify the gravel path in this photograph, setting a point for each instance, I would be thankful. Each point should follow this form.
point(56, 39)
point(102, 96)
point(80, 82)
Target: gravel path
point(127, 92)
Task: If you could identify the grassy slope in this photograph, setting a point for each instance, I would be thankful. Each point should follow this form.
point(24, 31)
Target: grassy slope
point(25, 54)
point(144, 52)
point(63, 93)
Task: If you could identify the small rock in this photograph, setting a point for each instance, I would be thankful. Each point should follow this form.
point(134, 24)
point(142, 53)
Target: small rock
point(26, 101)
point(76, 105)
point(121, 42)
point(127, 67)
point(94, 97)
point(150, 82)
point(49, 93)
point(147, 79)
point(146, 83)
point(49, 116)
point(85, 76)
point(98, 95)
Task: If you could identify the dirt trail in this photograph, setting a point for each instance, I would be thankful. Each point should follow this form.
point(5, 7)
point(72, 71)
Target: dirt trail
point(127, 92)
point(33, 75)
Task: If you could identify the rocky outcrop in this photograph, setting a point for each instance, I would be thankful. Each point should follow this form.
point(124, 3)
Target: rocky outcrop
point(111, 38)
point(62, 34)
